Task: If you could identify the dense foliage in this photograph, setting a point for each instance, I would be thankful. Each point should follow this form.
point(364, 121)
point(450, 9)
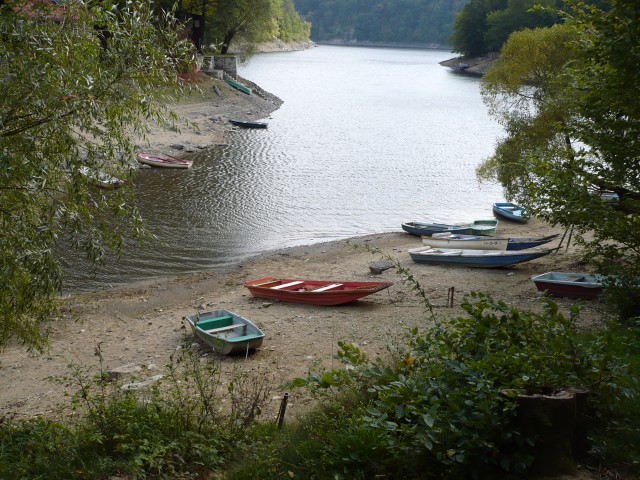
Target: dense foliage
point(442, 405)
point(567, 97)
point(445, 405)
point(241, 24)
point(75, 84)
point(483, 26)
point(421, 22)
point(182, 426)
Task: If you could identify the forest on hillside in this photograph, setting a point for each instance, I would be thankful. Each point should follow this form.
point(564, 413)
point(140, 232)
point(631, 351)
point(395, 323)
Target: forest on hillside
point(424, 22)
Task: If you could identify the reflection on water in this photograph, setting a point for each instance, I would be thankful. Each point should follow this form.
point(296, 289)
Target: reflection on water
point(366, 139)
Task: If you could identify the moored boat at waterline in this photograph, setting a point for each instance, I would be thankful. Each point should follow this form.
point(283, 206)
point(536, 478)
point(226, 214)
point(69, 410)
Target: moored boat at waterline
point(248, 124)
point(484, 227)
point(225, 332)
point(163, 161)
point(420, 228)
point(570, 284)
point(454, 240)
point(473, 258)
point(101, 179)
point(511, 211)
point(313, 292)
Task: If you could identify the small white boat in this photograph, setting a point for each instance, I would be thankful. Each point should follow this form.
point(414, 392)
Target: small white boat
point(163, 161)
point(225, 332)
point(452, 240)
point(101, 179)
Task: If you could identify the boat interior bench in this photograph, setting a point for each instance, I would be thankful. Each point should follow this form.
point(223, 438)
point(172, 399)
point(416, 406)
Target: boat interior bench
point(244, 337)
point(288, 285)
point(325, 288)
point(575, 278)
point(266, 284)
point(218, 324)
point(224, 329)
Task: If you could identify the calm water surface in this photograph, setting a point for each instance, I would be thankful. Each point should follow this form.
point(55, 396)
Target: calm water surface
point(366, 139)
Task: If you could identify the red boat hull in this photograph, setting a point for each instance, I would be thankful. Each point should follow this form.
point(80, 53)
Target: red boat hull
point(313, 292)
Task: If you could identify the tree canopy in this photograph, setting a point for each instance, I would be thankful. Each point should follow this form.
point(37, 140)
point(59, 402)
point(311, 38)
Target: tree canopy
point(385, 21)
point(567, 97)
point(483, 26)
point(245, 23)
point(76, 83)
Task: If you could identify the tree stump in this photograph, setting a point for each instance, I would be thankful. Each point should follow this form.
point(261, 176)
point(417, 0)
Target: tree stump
point(555, 424)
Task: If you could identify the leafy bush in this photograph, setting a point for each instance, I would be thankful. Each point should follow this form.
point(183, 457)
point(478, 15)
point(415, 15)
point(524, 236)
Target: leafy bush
point(175, 429)
point(439, 408)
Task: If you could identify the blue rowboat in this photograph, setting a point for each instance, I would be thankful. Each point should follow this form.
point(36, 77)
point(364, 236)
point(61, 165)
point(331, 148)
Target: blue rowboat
point(225, 332)
point(511, 211)
point(473, 258)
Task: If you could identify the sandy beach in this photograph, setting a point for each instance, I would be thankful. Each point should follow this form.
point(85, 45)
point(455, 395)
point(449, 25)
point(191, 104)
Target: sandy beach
point(140, 325)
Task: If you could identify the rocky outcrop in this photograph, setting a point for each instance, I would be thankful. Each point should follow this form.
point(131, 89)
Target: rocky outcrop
point(476, 66)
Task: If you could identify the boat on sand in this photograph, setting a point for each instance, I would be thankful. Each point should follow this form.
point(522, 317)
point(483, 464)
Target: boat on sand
point(473, 258)
point(480, 242)
point(570, 284)
point(511, 211)
point(313, 292)
point(225, 332)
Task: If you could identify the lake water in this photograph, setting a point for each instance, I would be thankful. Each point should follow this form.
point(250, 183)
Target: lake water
point(366, 139)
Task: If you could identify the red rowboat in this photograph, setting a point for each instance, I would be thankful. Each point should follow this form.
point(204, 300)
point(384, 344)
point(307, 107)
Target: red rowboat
point(165, 161)
point(313, 292)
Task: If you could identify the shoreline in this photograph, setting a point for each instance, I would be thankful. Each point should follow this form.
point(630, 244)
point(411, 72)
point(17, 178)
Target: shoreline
point(140, 325)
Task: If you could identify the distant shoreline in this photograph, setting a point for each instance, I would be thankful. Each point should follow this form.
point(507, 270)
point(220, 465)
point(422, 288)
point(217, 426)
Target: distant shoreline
point(417, 46)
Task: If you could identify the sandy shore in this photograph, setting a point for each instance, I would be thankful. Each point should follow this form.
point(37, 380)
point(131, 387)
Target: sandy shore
point(141, 325)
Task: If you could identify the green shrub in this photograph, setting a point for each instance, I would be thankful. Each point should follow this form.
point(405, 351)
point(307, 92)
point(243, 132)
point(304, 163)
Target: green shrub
point(176, 429)
point(439, 409)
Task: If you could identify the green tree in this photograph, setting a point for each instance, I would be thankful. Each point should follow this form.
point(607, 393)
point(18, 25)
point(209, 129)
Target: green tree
point(470, 26)
point(483, 26)
point(291, 27)
point(76, 84)
point(384, 21)
point(518, 15)
point(244, 22)
point(567, 97)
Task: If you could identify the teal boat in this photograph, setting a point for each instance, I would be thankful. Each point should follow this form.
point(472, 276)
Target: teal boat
point(243, 88)
point(225, 332)
point(484, 227)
